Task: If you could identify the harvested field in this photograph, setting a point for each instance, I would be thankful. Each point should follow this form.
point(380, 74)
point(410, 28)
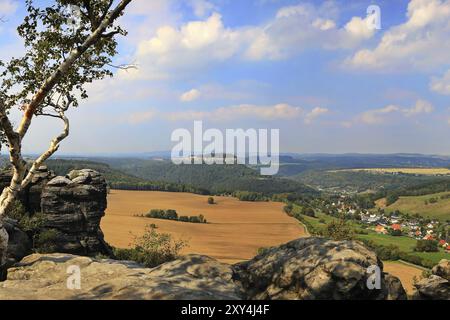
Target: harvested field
point(405, 272)
point(234, 232)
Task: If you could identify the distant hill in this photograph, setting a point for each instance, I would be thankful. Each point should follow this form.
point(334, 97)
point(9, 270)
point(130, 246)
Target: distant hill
point(202, 178)
point(296, 164)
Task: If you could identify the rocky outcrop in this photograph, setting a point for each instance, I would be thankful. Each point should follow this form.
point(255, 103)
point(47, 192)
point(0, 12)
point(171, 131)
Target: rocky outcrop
point(309, 268)
point(33, 193)
point(191, 277)
point(442, 269)
point(73, 206)
point(436, 286)
point(19, 244)
point(316, 268)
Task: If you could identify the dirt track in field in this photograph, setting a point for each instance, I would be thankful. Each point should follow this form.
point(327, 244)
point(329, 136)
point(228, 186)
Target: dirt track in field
point(234, 232)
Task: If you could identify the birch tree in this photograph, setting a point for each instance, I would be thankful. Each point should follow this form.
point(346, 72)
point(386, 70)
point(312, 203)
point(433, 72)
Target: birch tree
point(68, 44)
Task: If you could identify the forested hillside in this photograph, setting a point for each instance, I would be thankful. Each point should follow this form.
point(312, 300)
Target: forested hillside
point(143, 174)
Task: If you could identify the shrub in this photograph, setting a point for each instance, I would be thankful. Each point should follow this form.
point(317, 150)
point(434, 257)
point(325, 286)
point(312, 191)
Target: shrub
point(152, 249)
point(395, 233)
point(288, 209)
point(211, 200)
point(183, 219)
point(427, 246)
point(309, 212)
point(194, 219)
point(338, 230)
point(46, 241)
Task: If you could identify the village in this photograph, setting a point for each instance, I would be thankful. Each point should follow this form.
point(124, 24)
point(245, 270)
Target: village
point(394, 223)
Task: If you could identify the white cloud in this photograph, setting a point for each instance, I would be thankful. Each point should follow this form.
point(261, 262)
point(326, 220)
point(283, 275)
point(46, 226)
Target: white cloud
point(8, 7)
point(315, 113)
point(202, 7)
point(296, 28)
point(382, 115)
point(190, 95)
point(279, 111)
point(421, 106)
point(377, 116)
point(142, 117)
point(196, 44)
point(441, 85)
point(421, 43)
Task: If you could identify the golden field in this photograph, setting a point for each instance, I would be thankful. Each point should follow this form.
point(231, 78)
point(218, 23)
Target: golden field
point(405, 272)
point(420, 171)
point(234, 232)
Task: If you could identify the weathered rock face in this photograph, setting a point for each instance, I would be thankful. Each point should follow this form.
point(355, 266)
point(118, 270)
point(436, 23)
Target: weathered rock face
point(437, 286)
point(442, 269)
point(32, 196)
point(72, 208)
point(19, 244)
point(311, 268)
point(74, 205)
point(316, 268)
point(191, 277)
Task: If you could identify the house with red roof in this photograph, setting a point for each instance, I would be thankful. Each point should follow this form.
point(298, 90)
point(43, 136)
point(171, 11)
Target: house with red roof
point(396, 227)
point(380, 229)
point(428, 237)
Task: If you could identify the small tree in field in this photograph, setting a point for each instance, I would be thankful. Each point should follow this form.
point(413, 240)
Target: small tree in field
point(63, 52)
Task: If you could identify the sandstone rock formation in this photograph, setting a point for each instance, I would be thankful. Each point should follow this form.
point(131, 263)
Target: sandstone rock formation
point(71, 207)
point(19, 243)
point(436, 286)
point(308, 268)
point(191, 277)
point(74, 205)
point(316, 268)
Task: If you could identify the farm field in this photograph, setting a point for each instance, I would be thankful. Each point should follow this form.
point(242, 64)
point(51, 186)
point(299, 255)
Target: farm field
point(417, 204)
point(235, 229)
point(405, 272)
point(419, 171)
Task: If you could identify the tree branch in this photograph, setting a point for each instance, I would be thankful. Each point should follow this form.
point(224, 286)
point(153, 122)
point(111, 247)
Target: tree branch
point(15, 157)
point(54, 146)
point(64, 67)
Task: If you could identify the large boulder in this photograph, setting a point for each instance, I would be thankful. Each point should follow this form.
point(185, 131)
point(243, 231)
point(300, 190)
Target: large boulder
point(310, 268)
point(316, 268)
point(436, 286)
point(73, 206)
point(442, 269)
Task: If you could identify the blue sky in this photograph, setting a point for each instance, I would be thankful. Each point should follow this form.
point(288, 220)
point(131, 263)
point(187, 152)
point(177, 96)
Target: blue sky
point(313, 69)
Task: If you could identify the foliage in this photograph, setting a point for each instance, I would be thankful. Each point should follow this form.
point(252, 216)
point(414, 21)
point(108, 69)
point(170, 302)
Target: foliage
point(395, 233)
point(49, 36)
point(211, 200)
point(173, 215)
point(339, 229)
point(46, 241)
point(152, 249)
point(427, 246)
